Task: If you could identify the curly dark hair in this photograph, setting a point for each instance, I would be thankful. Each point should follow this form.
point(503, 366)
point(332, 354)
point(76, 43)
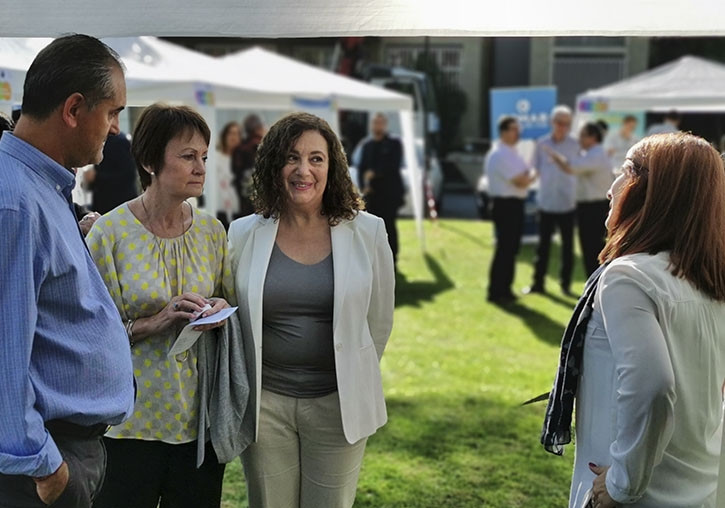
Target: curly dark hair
point(340, 199)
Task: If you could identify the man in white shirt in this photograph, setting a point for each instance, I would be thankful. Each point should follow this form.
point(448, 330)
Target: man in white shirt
point(594, 175)
point(509, 177)
point(670, 124)
point(620, 141)
point(557, 200)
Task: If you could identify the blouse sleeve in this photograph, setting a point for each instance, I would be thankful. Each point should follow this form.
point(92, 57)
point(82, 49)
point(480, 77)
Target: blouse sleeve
point(644, 382)
point(101, 246)
point(382, 298)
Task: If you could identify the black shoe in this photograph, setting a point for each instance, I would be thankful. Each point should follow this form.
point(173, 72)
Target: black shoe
point(536, 288)
point(504, 299)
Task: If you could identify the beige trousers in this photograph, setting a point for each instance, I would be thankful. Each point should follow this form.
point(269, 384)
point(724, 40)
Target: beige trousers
point(301, 458)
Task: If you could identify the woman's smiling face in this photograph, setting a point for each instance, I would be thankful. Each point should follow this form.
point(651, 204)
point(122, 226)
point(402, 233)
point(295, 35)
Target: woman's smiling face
point(305, 173)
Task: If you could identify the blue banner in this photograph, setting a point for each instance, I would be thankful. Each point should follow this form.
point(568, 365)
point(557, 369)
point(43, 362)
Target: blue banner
point(531, 106)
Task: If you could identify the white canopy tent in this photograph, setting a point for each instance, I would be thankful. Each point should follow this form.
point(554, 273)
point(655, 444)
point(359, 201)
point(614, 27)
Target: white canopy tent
point(253, 80)
point(319, 18)
point(689, 83)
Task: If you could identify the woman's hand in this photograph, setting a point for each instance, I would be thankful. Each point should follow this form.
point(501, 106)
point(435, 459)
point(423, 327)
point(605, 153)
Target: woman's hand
point(217, 304)
point(183, 308)
point(600, 496)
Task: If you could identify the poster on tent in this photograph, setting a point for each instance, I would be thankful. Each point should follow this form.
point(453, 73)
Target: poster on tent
point(592, 110)
point(6, 87)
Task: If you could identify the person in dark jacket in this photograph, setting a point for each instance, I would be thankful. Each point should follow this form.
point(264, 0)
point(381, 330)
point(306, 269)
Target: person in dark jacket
point(379, 177)
point(243, 162)
point(115, 180)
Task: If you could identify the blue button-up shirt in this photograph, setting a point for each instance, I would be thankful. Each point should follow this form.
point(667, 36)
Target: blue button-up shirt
point(64, 353)
point(557, 189)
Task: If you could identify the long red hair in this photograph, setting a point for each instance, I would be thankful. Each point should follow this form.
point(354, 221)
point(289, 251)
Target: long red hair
point(674, 201)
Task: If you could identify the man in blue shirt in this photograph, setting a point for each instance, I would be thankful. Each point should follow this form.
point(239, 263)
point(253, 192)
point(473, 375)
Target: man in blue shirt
point(557, 200)
point(65, 364)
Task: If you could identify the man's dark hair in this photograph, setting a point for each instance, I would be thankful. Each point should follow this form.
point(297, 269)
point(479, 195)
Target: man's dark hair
point(673, 115)
point(6, 123)
point(593, 130)
point(505, 123)
point(157, 125)
point(629, 118)
point(603, 126)
point(69, 64)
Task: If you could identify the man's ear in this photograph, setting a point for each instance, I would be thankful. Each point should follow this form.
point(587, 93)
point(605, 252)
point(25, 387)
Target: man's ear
point(72, 107)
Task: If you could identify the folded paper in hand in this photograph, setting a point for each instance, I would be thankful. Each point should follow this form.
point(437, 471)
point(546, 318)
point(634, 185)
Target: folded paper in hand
point(188, 335)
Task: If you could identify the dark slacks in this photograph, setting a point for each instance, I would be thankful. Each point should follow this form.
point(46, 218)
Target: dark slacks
point(140, 473)
point(86, 460)
point(508, 221)
point(389, 215)
point(548, 223)
point(590, 217)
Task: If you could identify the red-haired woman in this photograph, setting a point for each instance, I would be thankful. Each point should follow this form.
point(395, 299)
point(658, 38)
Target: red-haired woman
point(648, 366)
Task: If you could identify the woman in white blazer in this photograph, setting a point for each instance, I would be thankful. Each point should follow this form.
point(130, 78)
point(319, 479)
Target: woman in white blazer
point(649, 401)
point(314, 281)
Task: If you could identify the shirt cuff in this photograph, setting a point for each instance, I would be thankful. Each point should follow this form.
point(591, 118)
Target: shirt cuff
point(45, 462)
point(617, 494)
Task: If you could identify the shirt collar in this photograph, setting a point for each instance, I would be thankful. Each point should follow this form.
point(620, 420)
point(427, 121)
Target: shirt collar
point(49, 170)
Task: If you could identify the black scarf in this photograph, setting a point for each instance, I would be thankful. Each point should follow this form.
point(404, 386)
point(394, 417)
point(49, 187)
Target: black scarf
point(557, 423)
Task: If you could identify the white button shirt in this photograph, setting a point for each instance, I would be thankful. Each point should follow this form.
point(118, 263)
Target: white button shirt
point(502, 164)
point(557, 190)
point(594, 175)
point(649, 402)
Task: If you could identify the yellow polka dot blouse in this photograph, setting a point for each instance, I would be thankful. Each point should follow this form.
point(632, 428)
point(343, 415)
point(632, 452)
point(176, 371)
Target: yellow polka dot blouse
point(143, 272)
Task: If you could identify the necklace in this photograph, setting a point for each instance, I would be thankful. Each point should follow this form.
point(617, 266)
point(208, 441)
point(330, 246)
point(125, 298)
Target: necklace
point(180, 266)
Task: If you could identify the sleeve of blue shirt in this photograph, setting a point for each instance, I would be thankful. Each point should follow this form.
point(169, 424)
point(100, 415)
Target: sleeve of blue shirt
point(26, 448)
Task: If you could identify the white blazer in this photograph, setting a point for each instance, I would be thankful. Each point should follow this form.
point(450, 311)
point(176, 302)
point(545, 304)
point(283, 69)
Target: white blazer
point(362, 318)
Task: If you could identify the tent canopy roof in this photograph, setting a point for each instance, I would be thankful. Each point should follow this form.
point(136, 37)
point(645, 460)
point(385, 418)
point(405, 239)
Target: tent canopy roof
point(689, 83)
point(253, 79)
point(260, 69)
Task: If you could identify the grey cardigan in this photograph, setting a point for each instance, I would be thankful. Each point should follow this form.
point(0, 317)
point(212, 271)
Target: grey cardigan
point(224, 392)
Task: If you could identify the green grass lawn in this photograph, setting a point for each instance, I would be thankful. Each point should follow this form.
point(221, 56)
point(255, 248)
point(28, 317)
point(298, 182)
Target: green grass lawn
point(455, 372)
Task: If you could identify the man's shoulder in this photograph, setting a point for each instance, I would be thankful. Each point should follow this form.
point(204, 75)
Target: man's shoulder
point(15, 186)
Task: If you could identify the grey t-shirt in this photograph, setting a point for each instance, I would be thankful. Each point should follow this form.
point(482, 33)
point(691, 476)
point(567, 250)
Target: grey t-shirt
point(298, 358)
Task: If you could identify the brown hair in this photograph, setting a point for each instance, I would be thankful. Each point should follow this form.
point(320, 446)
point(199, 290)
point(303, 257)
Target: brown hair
point(340, 199)
point(674, 201)
point(159, 124)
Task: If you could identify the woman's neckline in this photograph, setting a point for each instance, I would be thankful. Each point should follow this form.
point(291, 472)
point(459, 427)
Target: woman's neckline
point(140, 223)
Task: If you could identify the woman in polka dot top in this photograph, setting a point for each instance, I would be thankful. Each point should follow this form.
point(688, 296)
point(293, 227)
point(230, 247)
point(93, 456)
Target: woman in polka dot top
point(163, 262)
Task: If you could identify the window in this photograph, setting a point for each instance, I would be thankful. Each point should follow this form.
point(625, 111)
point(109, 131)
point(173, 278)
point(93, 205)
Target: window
point(448, 58)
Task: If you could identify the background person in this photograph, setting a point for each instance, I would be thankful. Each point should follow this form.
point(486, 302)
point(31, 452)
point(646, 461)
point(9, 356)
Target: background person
point(649, 401)
point(162, 261)
point(65, 368)
point(315, 281)
point(6, 123)
point(618, 143)
point(243, 162)
point(379, 177)
point(594, 176)
point(509, 177)
point(229, 139)
point(557, 200)
point(670, 124)
point(114, 181)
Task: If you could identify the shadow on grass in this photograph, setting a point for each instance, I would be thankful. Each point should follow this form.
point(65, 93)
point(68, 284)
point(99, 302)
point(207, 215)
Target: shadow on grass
point(462, 232)
point(462, 452)
point(415, 292)
point(541, 325)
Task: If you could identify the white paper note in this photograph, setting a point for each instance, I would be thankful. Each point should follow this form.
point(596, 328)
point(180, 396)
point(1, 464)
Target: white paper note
point(189, 336)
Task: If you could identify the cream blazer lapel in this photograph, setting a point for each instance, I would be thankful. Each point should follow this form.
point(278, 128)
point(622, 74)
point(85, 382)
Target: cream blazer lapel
point(341, 237)
point(263, 243)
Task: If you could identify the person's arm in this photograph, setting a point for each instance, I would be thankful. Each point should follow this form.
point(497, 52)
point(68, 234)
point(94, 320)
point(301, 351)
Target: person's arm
point(382, 297)
point(26, 448)
point(645, 384)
